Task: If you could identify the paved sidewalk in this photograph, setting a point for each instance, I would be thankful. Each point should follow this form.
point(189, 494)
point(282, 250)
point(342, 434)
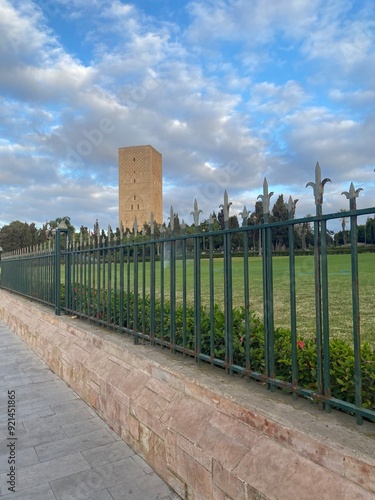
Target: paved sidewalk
point(64, 451)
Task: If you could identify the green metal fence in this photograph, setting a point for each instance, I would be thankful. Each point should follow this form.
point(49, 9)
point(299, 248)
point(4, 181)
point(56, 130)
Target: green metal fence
point(178, 291)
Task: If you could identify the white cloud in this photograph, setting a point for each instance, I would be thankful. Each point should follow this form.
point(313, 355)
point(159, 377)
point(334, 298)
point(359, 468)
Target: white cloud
point(251, 88)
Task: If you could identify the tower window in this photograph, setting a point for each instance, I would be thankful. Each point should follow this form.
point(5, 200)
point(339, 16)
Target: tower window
point(134, 197)
point(133, 159)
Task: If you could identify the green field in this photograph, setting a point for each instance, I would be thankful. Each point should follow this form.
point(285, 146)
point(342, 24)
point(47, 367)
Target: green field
point(339, 289)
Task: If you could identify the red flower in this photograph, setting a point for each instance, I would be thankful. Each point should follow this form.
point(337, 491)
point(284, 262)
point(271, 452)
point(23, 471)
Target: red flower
point(300, 344)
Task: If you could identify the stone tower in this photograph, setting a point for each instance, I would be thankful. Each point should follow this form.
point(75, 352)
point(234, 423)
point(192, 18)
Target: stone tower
point(140, 185)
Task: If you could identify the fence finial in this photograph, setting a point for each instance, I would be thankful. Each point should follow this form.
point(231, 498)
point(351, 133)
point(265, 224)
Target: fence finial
point(291, 206)
point(196, 213)
point(265, 197)
point(225, 206)
point(245, 215)
point(351, 195)
point(318, 185)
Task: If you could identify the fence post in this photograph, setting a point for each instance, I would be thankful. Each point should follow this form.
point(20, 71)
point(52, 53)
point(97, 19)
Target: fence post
point(60, 229)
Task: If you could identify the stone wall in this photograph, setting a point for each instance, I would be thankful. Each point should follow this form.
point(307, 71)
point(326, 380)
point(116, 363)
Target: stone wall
point(210, 436)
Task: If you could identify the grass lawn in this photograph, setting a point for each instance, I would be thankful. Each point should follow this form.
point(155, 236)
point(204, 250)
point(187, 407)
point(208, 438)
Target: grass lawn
point(339, 286)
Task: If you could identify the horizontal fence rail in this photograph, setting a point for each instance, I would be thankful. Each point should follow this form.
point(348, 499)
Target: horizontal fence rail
point(226, 297)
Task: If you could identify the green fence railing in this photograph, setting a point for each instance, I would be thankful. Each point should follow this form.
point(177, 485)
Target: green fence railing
point(300, 323)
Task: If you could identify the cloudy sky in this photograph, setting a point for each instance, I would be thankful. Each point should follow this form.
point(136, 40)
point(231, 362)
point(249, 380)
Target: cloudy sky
point(229, 91)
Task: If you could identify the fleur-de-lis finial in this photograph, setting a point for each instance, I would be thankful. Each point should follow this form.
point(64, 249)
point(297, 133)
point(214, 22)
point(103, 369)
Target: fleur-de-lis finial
point(291, 206)
point(351, 195)
point(265, 197)
point(225, 206)
point(245, 215)
point(152, 223)
point(171, 218)
point(318, 185)
point(196, 213)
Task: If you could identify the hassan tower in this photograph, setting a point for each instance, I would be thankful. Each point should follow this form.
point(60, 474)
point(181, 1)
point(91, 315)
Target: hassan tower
point(140, 185)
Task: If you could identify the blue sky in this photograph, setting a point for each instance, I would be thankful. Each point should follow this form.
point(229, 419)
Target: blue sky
point(229, 91)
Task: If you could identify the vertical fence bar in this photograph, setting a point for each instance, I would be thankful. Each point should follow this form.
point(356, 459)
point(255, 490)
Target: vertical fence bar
point(162, 263)
point(74, 277)
point(184, 287)
point(352, 195)
point(172, 284)
point(212, 290)
point(109, 279)
point(269, 305)
point(67, 263)
point(90, 285)
point(128, 291)
point(98, 283)
point(135, 293)
point(197, 297)
point(228, 297)
point(325, 316)
point(152, 286)
point(318, 309)
point(356, 315)
point(318, 187)
point(228, 301)
point(269, 367)
point(115, 280)
point(81, 273)
point(57, 274)
point(197, 284)
point(245, 243)
point(143, 286)
point(293, 322)
point(121, 294)
point(292, 295)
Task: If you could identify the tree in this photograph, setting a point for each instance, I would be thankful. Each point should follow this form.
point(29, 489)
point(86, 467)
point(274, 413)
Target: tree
point(17, 235)
point(305, 233)
point(279, 234)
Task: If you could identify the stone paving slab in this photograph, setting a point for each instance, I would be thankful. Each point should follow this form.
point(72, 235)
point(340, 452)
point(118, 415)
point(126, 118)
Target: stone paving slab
point(64, 451)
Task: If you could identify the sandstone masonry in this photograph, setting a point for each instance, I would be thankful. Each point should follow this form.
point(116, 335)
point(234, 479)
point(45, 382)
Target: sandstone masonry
point(140, 185)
